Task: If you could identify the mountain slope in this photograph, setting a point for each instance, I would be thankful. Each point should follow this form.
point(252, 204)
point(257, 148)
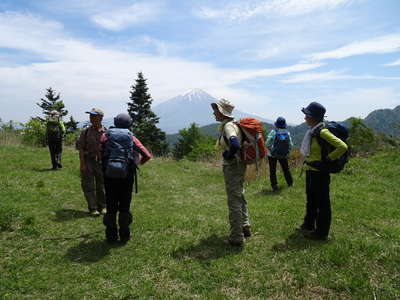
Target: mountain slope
point(192, 106)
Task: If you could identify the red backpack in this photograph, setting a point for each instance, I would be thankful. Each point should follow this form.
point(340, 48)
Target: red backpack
point(253, 142)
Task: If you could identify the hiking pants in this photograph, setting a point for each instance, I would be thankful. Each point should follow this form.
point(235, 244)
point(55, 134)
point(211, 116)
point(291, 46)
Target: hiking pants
point(318, 206)
point(118, 200)
point(93, 184)
point(237, 205)
point(55, 147)
point(272, 162)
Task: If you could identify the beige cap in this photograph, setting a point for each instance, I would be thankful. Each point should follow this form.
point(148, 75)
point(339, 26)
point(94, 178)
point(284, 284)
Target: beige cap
point(224, 106)
point(54, 113)
point(95, 111)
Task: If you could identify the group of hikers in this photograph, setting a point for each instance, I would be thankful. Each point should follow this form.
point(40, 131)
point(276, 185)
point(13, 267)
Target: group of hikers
point(109, 160)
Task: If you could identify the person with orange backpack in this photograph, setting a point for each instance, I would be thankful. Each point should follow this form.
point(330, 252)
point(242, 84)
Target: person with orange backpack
point(234, 168)
point(279, 144)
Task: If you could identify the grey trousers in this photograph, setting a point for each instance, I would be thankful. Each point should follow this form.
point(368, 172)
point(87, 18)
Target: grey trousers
point(92, 184)
point(237, 205)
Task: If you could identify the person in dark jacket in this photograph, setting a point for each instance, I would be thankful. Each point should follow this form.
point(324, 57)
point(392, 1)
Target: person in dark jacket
point(55, 130)
point(317, 221)
point(121, 154)
point(279, 143)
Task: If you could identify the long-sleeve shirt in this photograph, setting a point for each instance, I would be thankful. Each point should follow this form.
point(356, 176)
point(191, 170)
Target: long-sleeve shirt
point(315, 149)
point(271, 138)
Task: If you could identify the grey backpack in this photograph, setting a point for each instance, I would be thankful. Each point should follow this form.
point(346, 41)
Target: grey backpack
point(118, 155)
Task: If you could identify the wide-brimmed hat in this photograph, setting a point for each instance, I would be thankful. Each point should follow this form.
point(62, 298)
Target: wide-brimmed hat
point(54, 113)
point(95, 111)
point(315, 110)
point(280, 122)
point(224, 106)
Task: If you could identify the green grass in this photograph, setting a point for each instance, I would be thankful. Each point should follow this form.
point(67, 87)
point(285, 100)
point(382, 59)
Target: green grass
point(50, 248)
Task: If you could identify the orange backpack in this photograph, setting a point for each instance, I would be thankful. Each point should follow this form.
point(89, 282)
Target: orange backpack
point(253, 141)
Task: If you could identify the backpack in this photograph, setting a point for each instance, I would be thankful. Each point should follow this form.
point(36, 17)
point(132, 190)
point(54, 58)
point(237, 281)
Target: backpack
point(118, 155)
point(281, 145)
point(53, 130)
point(253, 142)
point(337, 165)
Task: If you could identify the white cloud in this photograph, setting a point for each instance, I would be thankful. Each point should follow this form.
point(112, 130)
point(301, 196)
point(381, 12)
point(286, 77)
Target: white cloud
point(395, 63)
point(383, 44)
point(122, 18)
point(332, 75)
point(245, 10)
point(87, 75)
point(359, 102)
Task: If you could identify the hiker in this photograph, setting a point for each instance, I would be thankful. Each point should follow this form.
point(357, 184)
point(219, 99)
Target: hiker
point(234, 170)
point(121, 155)
point(317, 220)
point(90, 163)
point(55, 130)
point(279, 143)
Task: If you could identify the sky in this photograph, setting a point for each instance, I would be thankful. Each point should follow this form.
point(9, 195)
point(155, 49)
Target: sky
point(269, 57)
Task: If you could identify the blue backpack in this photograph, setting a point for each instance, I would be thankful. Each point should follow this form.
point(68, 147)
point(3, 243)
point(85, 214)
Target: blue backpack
point(118, 157)
point(337, 165)
point(281, 145)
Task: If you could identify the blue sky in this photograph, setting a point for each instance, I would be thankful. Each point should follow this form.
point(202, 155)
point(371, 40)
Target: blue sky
point(270, 57)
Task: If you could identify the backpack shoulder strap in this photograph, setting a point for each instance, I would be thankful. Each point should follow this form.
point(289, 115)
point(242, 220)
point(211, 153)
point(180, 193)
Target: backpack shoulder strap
point(322, 143)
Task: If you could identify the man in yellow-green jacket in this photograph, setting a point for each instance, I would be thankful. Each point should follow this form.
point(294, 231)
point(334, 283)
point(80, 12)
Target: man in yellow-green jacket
point(317, 220)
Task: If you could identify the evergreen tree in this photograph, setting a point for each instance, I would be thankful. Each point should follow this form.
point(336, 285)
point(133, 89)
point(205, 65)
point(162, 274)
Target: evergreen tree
point(71, 125)
point(52, 102)
point(144, 119)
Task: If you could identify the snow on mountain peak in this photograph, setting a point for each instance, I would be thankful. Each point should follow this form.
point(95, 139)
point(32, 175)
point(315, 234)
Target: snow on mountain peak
point(195, 94)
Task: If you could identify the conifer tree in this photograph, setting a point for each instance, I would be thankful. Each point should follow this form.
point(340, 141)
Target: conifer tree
point(71, 125)
point(52, 102)
point(144, 119)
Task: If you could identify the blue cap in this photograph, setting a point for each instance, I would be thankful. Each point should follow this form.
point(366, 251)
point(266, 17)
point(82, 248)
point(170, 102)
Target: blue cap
point(315, 110)
point(280, 122)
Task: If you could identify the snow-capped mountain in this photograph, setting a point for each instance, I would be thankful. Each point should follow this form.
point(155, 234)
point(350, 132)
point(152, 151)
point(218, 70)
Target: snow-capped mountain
point(192, 106)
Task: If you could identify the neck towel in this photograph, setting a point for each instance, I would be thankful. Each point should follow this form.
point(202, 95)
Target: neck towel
point(306, 143)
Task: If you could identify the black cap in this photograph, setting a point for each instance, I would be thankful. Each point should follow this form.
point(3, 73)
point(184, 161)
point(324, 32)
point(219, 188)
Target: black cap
point(315, 110)
point(123, 121)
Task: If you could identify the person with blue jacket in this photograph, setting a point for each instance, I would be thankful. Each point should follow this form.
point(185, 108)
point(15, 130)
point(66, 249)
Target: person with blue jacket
point(317, 221)
point(279, 143)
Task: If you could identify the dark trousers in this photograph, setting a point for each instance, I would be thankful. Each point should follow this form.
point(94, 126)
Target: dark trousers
point(118, 200)
point(272, 162)
point(118, 194)
point(55, 147)
point(318, 206)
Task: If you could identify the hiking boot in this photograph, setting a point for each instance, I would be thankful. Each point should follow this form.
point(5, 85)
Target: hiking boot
point(103, 211)
point(312, 235)
point(111, 234)
point(94, 213)
point(234, 243)
point(274, 188)
point(304, 228)
point(246, 231)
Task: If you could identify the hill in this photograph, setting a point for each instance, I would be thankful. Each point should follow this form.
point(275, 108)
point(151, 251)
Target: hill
point(382, 120)
point(51, 249)
point(192, 106)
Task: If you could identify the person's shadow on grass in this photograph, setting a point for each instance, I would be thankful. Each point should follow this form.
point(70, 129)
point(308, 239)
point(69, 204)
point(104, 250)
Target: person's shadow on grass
point(90, 251)
point(295, 241)
point(207, 249)
point(67, 214)
point(43, 170)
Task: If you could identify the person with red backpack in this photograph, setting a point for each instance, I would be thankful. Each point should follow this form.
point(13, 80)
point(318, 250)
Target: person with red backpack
point(234, 169)
point(279, 143)
point(122, 153)
point(317, 221)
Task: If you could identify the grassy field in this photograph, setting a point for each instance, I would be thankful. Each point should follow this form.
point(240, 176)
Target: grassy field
point(51, 249)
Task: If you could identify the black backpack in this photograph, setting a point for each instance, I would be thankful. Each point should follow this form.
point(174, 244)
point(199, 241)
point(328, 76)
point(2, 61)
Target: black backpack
point(53, 131)
point(281, 145)
point(331, 166)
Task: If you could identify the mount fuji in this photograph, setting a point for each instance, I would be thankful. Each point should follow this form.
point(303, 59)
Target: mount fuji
point(191, 107)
